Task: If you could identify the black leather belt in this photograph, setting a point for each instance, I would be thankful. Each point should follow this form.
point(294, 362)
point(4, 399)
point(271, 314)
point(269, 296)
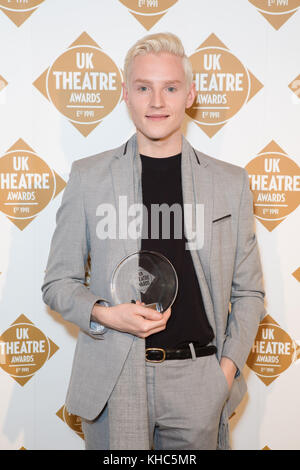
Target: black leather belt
point(184, 352)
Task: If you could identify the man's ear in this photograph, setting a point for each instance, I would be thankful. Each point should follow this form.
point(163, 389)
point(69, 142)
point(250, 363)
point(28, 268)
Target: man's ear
point(191, 96)
point(125, 92)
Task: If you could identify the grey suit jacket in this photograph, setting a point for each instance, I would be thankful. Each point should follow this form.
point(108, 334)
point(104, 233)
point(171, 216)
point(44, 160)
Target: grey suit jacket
point(227, 266)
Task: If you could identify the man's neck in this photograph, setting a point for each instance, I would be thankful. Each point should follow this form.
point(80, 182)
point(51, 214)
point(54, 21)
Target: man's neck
point(159, 148)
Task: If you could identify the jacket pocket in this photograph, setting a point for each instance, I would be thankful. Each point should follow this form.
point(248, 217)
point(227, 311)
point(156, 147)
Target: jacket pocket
point(222, 378)
point(219, 219)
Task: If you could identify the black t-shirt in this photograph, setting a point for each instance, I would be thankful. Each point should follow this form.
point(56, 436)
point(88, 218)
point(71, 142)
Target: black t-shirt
point(161, 183)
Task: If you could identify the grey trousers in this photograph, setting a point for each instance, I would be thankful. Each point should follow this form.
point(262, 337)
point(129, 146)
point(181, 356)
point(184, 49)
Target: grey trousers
point(185, 401)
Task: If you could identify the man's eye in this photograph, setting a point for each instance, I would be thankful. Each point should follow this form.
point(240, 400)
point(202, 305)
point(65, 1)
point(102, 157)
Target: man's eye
point(171, 89)
point(143, 88)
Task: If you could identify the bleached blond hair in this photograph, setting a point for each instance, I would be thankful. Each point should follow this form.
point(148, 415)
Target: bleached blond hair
point(156, 44)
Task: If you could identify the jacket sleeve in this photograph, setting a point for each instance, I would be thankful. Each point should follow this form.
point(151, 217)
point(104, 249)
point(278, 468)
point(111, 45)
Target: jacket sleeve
point(247, 293)
point(63, 288)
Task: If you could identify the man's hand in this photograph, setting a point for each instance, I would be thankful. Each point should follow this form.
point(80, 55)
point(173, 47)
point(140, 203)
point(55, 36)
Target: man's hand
point(229, 369)
point(132, 318)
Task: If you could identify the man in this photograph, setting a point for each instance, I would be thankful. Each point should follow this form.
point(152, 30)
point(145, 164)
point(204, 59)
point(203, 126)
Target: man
point(130, 394)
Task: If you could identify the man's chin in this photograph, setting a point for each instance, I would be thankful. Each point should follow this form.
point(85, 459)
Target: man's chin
point(156, 136)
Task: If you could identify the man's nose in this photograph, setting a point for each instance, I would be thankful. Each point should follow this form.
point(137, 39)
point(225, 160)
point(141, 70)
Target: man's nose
point(157, 100)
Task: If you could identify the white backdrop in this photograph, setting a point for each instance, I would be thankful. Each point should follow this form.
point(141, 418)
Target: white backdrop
point(269, 414)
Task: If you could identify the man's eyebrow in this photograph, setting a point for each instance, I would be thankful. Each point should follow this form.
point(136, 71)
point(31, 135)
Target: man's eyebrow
point(141, 80)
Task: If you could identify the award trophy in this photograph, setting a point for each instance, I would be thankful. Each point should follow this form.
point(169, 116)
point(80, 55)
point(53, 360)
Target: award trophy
point(147, 276)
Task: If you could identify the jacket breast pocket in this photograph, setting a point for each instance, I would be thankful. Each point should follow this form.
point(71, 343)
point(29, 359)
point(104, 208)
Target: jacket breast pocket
point(221, 219)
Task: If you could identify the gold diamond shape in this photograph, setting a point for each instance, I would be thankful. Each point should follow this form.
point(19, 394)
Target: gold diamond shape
point(24, 349)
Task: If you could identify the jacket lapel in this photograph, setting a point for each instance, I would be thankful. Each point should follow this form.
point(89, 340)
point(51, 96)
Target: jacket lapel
point(197, 188)
point(125, 170)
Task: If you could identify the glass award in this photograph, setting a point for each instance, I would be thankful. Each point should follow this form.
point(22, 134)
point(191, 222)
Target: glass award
point(147, 276)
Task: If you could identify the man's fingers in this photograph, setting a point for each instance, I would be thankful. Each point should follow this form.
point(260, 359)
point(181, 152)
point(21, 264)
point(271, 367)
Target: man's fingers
point(152, 332)
point(152, 321)
point(167, 313)
point(148, 313)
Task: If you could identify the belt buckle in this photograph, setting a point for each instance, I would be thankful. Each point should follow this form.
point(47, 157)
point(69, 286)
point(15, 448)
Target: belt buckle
point(156, 349)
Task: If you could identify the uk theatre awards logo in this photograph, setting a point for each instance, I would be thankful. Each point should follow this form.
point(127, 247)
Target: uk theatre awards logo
point(223, 85)
point(83, 84)
point(275, 185)
point(24, 349)
point(148, 12)
point(19, 10)
point(276, 12)
point(27, 184)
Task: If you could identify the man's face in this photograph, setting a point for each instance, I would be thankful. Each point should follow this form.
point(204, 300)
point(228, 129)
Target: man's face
point(157, 94)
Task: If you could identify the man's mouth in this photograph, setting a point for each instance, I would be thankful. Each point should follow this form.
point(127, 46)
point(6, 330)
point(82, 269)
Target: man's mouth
point(157, 117)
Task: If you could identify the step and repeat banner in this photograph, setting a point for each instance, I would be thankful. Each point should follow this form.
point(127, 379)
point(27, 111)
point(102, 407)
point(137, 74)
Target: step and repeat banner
point(61, 100)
